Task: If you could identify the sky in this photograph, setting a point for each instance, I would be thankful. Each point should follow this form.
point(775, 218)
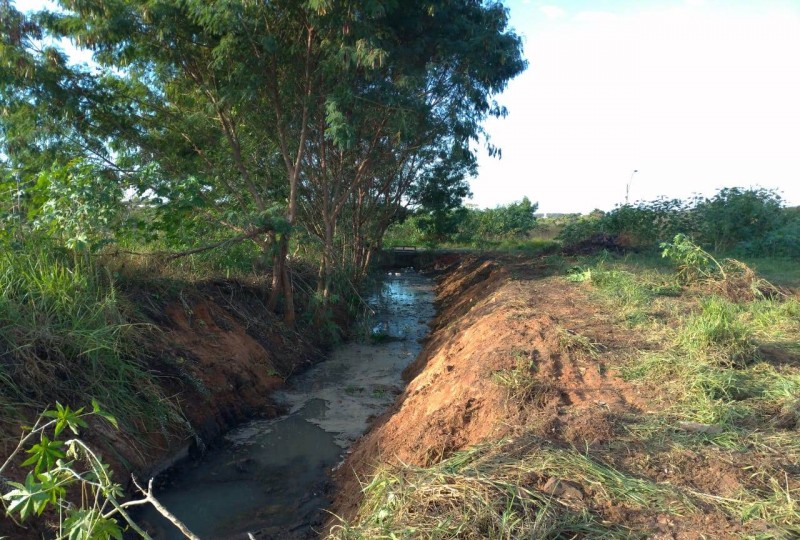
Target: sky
point(693, 95)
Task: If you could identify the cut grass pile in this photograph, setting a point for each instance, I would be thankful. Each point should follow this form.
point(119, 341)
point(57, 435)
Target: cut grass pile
point(495, 491)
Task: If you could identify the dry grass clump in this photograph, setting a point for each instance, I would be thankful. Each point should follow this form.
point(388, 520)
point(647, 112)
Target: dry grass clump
point(495, 491)
point(740, 283)
point(523, 385)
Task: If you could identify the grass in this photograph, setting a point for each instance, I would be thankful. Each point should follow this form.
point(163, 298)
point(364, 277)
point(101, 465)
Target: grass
point(634, 291)
point(522, 384)
point(717, 330)
point(578, 344)
point(68, 336)
point(491, 491)
point(717, 366)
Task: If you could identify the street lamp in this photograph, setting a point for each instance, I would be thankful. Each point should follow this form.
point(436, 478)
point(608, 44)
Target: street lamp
point(628, 187)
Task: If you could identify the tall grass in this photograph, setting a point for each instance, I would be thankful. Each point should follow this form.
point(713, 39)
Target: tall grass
point(68, 336)
point(718, 329)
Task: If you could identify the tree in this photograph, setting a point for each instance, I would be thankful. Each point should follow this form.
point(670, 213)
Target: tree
point(255, 116)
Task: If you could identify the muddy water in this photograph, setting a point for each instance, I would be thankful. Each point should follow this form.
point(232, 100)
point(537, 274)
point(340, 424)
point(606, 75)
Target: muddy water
point(269, 477)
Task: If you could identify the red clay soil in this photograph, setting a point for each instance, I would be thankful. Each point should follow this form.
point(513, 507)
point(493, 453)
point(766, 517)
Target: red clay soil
point(219, 353)
point(493, 314)
point(222, 353)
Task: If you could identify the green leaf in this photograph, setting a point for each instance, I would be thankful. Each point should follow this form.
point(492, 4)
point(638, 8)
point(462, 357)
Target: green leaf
point(66, 418)
point(44, 454)
point(89, 524)
point(32, 497)
point(98, 410)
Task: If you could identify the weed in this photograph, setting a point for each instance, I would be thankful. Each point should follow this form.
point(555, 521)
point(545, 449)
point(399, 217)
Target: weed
point(717, 329)
point(68, 335)
point(522, 383)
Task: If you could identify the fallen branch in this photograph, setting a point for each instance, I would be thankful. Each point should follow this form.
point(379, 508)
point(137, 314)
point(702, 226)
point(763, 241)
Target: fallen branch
point(150, 498)
point(170, 256)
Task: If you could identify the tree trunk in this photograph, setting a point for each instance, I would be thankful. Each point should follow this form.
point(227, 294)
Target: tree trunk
point(325, 276)
point(282, 283)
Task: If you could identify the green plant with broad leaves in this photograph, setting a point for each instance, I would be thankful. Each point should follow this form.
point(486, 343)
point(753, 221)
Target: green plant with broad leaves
point(694, 263)
point(77, 203)
point(57, 466)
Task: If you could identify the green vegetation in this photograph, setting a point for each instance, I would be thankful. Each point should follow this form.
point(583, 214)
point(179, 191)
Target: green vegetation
point(522, 383)
point(303, 129)
point(504, 227)
point(726, 363)
point(287, 142)
point(68, 334)
point(60, 466)
point(749, 222)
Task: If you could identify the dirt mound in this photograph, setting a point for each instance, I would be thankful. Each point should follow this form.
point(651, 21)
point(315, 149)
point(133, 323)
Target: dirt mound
point(500, 330)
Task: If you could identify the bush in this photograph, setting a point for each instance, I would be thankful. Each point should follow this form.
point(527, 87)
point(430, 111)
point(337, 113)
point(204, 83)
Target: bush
point(784, 241)
point(734, 216)
point(748, 220)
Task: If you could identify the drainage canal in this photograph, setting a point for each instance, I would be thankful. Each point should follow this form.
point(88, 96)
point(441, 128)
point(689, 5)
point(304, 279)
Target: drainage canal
point(269, 477)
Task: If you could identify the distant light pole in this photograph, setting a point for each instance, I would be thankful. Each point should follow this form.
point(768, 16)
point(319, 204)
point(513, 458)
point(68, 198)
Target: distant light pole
point(628, 187)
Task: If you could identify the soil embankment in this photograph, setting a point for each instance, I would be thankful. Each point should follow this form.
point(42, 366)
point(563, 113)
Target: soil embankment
point(217, 354)
point(517, 421)
point(221, 353)
point(492, 316)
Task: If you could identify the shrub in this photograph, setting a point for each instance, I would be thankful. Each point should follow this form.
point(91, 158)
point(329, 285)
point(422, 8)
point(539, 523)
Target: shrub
point(736, 215)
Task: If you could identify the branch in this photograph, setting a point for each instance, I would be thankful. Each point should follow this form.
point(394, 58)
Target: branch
point(234, 240)
point(170, 256)
point(149, 497)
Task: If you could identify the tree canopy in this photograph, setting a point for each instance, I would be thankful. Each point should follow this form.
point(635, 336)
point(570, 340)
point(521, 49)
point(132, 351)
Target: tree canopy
point(261, 118)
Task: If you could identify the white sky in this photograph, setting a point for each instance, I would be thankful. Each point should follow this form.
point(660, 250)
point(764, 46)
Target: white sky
point(695, 95)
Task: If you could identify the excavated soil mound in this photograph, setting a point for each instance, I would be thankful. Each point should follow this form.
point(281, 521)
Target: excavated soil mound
point(494, 318)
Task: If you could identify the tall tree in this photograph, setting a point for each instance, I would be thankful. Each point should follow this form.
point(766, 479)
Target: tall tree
point(255, 115)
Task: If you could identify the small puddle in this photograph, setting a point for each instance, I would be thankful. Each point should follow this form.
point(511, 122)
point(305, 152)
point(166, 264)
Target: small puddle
point(269, 477)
